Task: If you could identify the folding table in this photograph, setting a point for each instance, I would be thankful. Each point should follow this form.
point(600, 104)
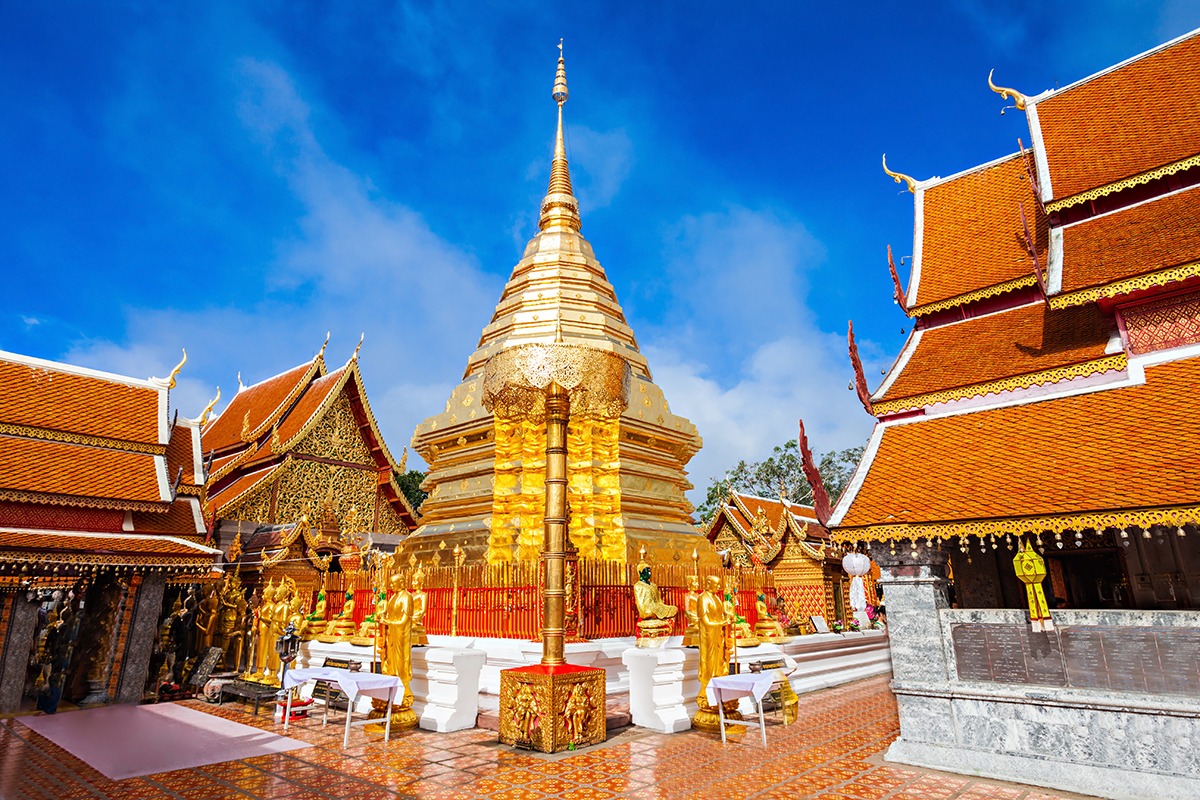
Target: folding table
point(382, 687)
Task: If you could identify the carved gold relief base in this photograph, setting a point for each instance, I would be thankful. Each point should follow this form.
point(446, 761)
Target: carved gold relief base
point(551, 708)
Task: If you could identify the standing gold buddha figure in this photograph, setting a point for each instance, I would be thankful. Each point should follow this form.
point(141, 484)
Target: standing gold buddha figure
point(396, 648)
point(714, 654)
point(691, 636)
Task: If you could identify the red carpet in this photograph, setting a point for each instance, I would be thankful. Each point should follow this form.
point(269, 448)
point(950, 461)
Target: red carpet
point(125, 741)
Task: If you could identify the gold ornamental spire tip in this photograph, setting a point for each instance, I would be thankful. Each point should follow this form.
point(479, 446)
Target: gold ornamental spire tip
point(358, 347)
point(899, 177)
point(175, 372)
point(559, 208)
point(1006, 93)
point(208, 408)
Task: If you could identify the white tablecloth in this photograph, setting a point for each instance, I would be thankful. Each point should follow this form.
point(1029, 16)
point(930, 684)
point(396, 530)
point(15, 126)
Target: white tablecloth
point(732, 687)
point(353, 683)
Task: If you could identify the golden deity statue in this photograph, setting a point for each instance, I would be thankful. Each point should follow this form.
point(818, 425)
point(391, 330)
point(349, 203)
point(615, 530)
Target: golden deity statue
point(575, 713)
point(396, 648)
point(366, 629)
point(279, 620)
point(714, 622)
point(768, 627)
point(341, 626)
point(419, 639)
point(743, 634)
point(231, 618)
point(314, 623)
point(691, 636)
point(654, 616)
point(264, 644)
point(206, 621)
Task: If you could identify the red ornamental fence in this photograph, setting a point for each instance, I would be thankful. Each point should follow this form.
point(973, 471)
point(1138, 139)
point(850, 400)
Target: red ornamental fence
point(504, 600)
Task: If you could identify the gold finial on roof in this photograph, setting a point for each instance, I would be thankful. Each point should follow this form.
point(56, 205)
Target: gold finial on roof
point(403, 466)
point(246, 427)
point(175, 372)
point(898, 176)
point(240, 384)
point(1006, 93)
point(323, 346)
point(208, 408)
point(358, 347)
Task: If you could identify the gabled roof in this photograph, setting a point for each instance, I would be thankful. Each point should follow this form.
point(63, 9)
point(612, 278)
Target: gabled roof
point(1110, 126)
point(1118, 457)
point(83, 548)
point(53, 397)
point(260, 406)
point(1016, 348)
point(1107, 255)
point(968, 236)
point(763, 541)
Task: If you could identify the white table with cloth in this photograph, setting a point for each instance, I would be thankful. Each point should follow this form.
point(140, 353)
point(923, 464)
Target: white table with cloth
point(755, 685)
point(382, 687)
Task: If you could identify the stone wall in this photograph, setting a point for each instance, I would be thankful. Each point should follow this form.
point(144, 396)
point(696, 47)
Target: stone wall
point(1116, 744)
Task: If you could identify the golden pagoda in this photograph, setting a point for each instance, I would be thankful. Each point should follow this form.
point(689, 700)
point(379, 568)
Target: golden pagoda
point(626, 475)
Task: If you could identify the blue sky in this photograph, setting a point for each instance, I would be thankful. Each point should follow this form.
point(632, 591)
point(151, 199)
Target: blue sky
point(239, 178)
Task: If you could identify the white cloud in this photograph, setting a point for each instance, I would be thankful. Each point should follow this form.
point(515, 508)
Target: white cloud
point(600, 163)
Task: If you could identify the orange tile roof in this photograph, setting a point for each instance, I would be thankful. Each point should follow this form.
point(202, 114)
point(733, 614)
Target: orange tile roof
point(1136, 240)
point(264, 402)
point(180, 454)
point(310, 403)
point(971, 232)
point(1123, 448)
point(84, 404)
point(1112, 126)
point(48, 542)
point(1019, 341)
point(232, 491)
point(178, 520)
point(31, 465)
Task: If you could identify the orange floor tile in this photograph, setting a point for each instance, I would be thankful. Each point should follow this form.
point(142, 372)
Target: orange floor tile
point(832, 752)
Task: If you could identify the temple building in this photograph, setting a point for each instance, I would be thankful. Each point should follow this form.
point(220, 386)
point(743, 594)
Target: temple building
point(101, 489)
point(295, 459)
point(486, 475)
point(787, 539)
point(1036, 440)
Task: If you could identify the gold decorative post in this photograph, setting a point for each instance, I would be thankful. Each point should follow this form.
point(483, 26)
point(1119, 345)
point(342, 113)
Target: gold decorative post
point(460, 556)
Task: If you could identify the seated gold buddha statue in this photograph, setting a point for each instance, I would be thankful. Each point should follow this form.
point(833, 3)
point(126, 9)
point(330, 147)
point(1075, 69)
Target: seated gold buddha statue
point(370, 623)
point(768, 627)
point(419, 639)
point(341, 626)
point(743, 634)
point(654, 616)
point(314, 622)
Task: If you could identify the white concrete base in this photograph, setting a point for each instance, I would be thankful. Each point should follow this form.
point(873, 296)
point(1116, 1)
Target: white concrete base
point(663, 685)
point(824, 660)
point(1091, 779)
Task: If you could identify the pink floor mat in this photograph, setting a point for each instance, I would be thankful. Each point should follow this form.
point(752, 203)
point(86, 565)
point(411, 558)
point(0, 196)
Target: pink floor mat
point(123, 741)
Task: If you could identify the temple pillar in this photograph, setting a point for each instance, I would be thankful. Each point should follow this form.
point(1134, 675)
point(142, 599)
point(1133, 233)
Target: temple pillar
point(19, 629)
point(139, 642)
point(916, 584)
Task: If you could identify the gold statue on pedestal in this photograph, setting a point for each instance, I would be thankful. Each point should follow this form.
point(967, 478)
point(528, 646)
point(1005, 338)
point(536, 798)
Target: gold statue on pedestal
point(231, 619)
point(314, 623)
point(743, 634)
point(206, 622)
point(395, 651)
point(691, 636)
point(265, 645)
point(342, 625)
point(366, 629)
point(654, 616)
point(714, 654)
point(419, 639)
point(768, 627)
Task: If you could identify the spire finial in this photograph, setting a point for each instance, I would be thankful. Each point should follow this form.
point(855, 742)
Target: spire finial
point(560, 208)
point(208, 408)
point(1007, 94)
point(324, 345)
point(358, 347)
point(175, 372)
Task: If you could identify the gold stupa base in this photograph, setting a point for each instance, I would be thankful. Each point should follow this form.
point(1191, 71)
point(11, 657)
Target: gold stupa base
point(709, 721)
point(552, 708)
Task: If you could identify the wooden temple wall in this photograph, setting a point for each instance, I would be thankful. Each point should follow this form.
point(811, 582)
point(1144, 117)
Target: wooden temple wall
point(504, 600)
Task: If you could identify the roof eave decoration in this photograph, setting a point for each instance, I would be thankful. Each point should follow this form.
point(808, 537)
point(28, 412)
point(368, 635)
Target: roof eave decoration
point(971, 297)
point(1006, 93)
point(860, 379)
point(1149, 280)
point(1031, 249)
point(900, 297)
point(900, 177)
point(813, 475)
point(1125, 183)
point(1142, 519)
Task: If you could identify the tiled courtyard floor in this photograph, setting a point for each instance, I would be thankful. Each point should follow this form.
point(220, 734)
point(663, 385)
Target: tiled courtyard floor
point(833, 752)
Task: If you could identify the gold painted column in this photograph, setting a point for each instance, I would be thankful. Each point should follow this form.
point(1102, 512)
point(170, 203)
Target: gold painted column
point(558, 414)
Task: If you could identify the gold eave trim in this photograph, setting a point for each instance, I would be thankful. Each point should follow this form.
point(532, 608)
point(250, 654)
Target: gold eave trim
point(50, 435)
point(1056, 523)
point(1048, 376)
point(187, 561)
point(235, 462)
point(44, 498)
point(1117, 288)
point(970, 297)
point(1121, 185)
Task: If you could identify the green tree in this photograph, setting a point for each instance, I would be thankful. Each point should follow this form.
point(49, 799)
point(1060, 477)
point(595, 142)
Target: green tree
point(782, 470)
point(410, 484)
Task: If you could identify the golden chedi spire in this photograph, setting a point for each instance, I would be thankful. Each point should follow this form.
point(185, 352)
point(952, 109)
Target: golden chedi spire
point(486, 475)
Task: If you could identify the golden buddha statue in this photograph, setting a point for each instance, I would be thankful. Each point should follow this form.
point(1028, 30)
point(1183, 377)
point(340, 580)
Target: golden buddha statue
point(768, 628)
point(743, 634)
point(396, 648)
point(206, 621)
point(279, 620)
point(366, 629)
point(691, 636)
point(419, 639)
point(263, 645)
point(314, 623)
point(654, 616)
point(342, 625)
point(713, 622)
